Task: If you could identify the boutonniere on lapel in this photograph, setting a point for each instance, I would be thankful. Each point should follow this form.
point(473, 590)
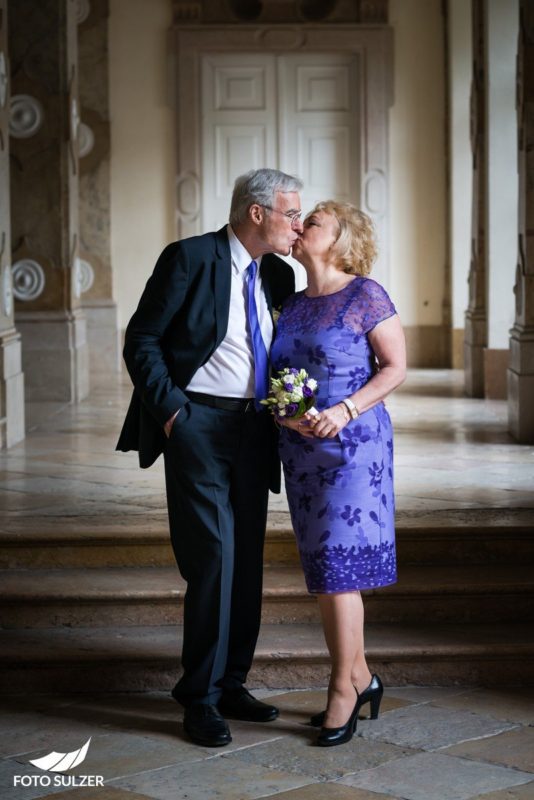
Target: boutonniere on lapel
point(276, 315)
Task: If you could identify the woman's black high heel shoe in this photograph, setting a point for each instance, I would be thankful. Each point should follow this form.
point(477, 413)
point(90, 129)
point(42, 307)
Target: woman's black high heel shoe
point(373, 695)
point(328, 737)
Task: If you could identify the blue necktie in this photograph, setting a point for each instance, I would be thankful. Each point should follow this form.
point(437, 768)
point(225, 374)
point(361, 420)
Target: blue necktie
point(261, 359)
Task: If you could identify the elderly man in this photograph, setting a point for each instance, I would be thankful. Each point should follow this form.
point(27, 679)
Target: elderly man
point(197, 352)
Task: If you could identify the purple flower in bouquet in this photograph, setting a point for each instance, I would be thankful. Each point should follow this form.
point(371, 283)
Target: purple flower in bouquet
point(291, 394)
point(292, 409)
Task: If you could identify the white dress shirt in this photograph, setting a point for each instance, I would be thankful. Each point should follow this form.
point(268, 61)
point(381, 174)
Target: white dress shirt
point(230, 370)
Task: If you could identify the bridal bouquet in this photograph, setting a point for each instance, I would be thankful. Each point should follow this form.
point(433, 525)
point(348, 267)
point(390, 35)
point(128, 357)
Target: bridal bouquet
point(292, 394)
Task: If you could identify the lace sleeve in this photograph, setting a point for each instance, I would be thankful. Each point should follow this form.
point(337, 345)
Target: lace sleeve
point(370, 306)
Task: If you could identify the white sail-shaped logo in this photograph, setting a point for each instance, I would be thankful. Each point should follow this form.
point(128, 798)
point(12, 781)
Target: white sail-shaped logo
point(61, 762)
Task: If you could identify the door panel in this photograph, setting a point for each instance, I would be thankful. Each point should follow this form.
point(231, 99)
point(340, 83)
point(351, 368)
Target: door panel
point(319, 128)
point(240, 88)
point(319, 124)
point(322, 157)
point(322, 87)
point(295, 112)
point(238, 148)
point(238, 109)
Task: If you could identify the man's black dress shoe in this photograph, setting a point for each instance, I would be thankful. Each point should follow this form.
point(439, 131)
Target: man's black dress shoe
point(205, 726)
point(239, 704)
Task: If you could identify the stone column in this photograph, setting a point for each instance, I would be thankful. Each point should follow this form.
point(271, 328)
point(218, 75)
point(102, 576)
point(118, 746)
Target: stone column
point(11, 377)
point(460, 69)
point(502, 18)
point(521, 371)
point(44, 190)
point(95, 247)
point(475, 318)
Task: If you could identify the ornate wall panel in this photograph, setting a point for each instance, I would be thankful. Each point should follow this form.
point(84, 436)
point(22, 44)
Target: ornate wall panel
point(94, 146)
point(364, 12)
point(44, 141)
point(44, 190)
point(94, 269)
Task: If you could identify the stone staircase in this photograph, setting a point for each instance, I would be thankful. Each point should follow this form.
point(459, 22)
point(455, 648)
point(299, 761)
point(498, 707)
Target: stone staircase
point(93, 605)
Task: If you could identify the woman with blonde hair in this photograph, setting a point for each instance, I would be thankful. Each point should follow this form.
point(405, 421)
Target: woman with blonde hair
point(344, 331)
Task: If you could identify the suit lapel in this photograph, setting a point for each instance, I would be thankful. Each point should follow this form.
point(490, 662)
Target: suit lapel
point(222, 283)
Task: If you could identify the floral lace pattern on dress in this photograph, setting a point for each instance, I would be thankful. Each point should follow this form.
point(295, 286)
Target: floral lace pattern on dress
point(340, 490)
point(357, 308)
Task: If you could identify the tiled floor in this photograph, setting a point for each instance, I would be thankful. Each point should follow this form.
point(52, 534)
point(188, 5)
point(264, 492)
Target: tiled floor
point(452, 454)
point(427, 744)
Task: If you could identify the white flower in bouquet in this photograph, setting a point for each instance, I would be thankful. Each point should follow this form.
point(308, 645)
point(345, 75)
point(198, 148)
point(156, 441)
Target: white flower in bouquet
point(292, 394)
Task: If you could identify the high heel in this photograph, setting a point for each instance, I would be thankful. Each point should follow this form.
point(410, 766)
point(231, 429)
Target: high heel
point(373, 695)
point(329, 737)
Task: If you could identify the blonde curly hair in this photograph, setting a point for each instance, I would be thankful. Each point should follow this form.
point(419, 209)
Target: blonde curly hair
point(355, 248)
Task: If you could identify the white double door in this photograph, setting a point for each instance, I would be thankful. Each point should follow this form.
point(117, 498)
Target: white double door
point(294, 112)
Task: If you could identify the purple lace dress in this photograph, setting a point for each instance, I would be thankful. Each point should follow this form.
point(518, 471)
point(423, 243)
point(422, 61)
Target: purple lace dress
point(340, 490)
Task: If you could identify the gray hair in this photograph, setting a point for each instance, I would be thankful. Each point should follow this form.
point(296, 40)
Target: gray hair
point(259, 186)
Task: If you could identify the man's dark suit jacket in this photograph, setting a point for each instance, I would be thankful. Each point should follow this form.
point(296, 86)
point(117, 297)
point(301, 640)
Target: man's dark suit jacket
point(181, 319)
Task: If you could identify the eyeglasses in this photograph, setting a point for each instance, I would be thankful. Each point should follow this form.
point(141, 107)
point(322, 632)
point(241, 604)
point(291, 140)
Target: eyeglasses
point(294, 216)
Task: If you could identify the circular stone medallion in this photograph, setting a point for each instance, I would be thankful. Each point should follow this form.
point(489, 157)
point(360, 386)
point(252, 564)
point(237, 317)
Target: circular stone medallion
point(26, 116)
point(28, 279)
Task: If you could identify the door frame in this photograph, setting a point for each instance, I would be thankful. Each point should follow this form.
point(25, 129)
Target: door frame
point(374, 47)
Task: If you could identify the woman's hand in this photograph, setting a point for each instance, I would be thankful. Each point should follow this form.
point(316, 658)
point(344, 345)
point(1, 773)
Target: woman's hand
point(301, 425)
point(329, 422)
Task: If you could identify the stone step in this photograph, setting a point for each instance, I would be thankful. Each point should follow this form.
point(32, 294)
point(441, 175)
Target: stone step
point(287, 656)
point(154, 596)
point(465, 536)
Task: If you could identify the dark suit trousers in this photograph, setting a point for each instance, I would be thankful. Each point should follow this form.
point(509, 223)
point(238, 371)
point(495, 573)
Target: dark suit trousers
point(217, 472)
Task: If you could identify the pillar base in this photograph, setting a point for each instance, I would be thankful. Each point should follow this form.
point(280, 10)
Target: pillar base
point(457, 348)
point(474, 370)
point(55, 356)
point(521, 407)
point(12, 428)
point(103, 337)
point(496, 373)
point(474, 345)
point(521, 385)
